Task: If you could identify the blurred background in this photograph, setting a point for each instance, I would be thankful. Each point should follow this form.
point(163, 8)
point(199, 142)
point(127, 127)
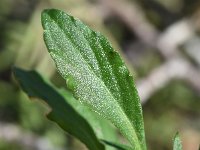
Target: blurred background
point(159, 40)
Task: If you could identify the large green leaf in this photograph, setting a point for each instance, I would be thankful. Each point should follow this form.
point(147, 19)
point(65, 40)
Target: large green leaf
point(62, 113)
point(177, 142)
point(95, 73)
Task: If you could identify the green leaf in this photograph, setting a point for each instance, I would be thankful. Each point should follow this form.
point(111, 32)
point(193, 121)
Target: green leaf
point(102, 127)
point(95, 73)
point(177, 142)
point(62, 113)
point(117, 146)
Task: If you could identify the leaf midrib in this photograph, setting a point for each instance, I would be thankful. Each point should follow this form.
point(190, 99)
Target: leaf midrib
point(97, 35)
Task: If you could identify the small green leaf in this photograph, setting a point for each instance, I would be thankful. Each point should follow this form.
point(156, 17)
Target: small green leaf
point(177, 142)
point(62, 113)
point(95, 73)
point(117, 146)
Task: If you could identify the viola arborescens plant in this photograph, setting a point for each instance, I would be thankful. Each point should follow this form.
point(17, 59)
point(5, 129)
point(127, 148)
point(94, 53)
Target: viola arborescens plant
point(100, 85)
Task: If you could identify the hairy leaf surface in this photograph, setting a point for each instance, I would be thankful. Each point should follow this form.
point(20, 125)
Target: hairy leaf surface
point(62, 112)
point(95, 73)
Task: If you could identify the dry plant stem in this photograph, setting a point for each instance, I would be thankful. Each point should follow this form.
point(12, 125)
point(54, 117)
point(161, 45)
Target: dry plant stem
point(166, 43)
point(133, 17)
point(14, 134)
point(175, 68)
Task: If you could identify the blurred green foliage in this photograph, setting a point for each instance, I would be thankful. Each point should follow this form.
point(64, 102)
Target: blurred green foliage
point(173, 108)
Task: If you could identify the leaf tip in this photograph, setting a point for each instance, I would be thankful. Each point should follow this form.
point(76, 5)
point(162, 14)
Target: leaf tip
point(177, 142)
point(47, 14)
point(44, 16)
point(14, 69)
point(177, 136)
point(16, 73)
